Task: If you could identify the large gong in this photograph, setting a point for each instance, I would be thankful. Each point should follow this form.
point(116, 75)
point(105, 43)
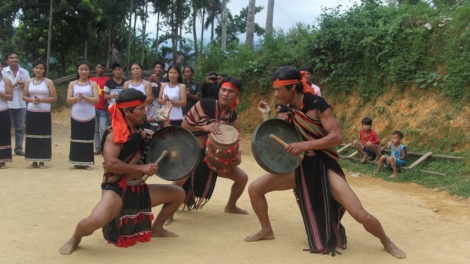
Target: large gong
point(183, 152)
point(271, 155)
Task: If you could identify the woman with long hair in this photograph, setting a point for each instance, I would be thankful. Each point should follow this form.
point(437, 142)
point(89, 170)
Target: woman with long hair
point(175, 92)
point(39, 92)
point(6, 94)
point(138, 81)
point(82, 94)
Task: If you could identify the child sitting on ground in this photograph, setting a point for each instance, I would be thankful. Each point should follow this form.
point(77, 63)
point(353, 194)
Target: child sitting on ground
point(369, 142)
point(397, 157)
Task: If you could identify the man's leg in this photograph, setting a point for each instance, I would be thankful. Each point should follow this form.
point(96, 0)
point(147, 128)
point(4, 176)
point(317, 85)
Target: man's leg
point(179, 183)
point(344, 195)
point(106, 210)
point(257, 189)
point(96, 138)
point(171, 197)
point(239, 178)
point(18, 116)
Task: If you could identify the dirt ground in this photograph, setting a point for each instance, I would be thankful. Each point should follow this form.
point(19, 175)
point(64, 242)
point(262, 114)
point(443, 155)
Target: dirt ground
point(41, 208)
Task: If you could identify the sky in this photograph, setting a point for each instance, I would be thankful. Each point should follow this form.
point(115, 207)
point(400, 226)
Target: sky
point(286, 13)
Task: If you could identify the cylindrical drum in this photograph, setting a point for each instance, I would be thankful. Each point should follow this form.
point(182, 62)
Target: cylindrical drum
point(222, 149)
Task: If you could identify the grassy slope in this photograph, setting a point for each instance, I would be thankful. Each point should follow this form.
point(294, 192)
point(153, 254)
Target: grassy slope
point(429, 121)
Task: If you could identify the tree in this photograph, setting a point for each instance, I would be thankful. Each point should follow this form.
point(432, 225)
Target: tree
point(237, 25)
point(269, 17)
point(250, 23)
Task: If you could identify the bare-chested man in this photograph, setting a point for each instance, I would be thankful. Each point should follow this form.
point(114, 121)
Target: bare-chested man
point(124, 211)
point(322, 192)
point(204, 118)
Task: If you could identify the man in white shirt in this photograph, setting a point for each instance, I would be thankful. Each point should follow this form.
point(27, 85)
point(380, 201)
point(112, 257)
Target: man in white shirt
point(18, 77)
point(308, 78)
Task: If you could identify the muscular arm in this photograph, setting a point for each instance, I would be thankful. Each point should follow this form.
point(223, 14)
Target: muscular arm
point(332, 139)
point(112, 164)
point(334, 136)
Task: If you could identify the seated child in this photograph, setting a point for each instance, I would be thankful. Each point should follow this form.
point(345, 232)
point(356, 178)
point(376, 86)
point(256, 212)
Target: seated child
point(397, 157)
point(369, 142)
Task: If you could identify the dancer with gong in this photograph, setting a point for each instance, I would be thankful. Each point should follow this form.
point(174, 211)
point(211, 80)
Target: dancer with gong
point(319, 183)
point(124, 211)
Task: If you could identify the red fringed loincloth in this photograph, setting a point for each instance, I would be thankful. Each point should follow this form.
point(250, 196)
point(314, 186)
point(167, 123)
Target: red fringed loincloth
point(134, 222)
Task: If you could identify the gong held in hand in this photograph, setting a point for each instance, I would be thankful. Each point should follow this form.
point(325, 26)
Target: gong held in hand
point(272, 156)
point(182, 153)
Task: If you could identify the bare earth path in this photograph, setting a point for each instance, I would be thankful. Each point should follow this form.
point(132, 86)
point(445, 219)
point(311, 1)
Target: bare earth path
point(40, 209)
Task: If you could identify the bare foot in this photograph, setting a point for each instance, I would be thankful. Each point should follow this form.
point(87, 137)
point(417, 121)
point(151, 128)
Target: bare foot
point(261, 235)
point(375, 173)
point(42, 166)
point(393, 176)
point(394, 250)
point(168, 221)
point(88, 168)
point(2, 166)
point(364, 158)
point(75, 167)
point(33, 166)
point(69, 247)
point(163, 233)
point(235, 210)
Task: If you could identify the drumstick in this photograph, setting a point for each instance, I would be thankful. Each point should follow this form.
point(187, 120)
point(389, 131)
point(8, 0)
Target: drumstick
point(284, 144)
point(162, 156)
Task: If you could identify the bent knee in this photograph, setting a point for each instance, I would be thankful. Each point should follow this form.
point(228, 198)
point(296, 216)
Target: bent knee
point(254, 189)
point(369, 144)
point(355, 142)
point(95, 221)
point(391, 160)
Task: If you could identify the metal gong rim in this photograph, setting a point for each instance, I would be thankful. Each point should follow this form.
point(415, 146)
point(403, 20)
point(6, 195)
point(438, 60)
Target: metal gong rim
point(183, 152)
point(270, 155)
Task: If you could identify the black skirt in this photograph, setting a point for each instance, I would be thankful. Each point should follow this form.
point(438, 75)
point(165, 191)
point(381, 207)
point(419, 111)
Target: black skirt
point(5, 136)
point(38, 136)
point(81, 142)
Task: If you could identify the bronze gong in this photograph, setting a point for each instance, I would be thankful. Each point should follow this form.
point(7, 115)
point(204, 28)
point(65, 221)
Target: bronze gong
point(271, 155)
point(183, 152)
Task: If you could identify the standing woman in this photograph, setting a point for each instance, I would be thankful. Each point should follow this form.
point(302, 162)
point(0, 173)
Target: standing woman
point(82, 94)
point(175, 92)
point(39, 92)
point(138, 82)
point(6, 94)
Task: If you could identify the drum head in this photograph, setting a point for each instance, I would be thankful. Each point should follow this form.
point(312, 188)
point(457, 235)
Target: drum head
point(270, 155)
point(228, 137)
point(183, 152)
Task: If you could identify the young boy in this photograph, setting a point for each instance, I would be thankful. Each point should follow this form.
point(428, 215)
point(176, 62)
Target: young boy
point(369, 142)
point(397, 155)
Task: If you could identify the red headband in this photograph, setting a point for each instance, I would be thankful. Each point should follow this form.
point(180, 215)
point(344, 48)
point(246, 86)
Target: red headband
point(121, 133)
point(229, 84)
point(306, 89)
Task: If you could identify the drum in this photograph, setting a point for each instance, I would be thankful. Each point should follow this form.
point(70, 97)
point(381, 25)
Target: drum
point(270, 155)
point(183, 152)
point(222, 149)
